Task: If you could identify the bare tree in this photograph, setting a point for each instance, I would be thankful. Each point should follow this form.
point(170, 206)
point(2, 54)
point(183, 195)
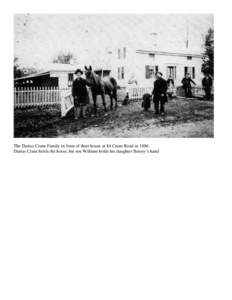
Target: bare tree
point(64, 58)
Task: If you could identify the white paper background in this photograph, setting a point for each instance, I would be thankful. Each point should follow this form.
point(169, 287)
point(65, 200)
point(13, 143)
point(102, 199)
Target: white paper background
point(118, 227)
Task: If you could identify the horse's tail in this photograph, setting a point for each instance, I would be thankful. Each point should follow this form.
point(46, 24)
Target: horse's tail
point(114, 83)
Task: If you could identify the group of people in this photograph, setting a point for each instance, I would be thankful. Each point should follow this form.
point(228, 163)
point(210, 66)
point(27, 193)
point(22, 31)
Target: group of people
point(165, 88)
point(161, 91)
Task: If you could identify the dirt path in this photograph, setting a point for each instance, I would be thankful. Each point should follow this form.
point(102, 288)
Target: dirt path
point(185, 118)
point(196, 129)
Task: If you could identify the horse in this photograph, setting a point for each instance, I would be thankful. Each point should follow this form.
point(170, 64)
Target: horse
point(101, 86)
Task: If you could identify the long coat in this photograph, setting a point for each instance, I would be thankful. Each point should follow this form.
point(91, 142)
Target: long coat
point(160, 90)
point(79, 91)
point(207, 82)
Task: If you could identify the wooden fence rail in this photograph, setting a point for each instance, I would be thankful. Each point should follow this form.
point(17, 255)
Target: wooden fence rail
point(197, 91)
point(136, 93)
point(43, 96)
point(36, 96)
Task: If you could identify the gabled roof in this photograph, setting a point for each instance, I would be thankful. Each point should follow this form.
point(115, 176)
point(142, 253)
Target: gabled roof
point(32, 75)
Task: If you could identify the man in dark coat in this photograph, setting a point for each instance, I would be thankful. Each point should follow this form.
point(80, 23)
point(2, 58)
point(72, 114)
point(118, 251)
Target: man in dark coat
point(207, 83)
point(186, 82)
point(80, 94)
point(159, 93)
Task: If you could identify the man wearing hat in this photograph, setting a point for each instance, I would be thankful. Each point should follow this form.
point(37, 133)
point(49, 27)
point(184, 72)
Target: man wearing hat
point(207, 83)
point(159, 94)
point(80, 94)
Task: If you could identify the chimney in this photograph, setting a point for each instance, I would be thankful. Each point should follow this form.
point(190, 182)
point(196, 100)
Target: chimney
point(187, 35)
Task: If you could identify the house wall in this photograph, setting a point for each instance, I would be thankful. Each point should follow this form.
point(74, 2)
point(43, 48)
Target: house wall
point(180, 62)
point(62, 78)
point(135, 64)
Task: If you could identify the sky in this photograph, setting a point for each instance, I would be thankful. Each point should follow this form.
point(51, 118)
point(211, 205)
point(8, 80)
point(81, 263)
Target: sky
point(39, 38)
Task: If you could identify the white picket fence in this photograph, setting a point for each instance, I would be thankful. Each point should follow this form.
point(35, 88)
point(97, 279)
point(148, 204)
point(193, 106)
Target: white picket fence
point(36, 96)
point(43, 96)
point(197, 91)
point(136, 93)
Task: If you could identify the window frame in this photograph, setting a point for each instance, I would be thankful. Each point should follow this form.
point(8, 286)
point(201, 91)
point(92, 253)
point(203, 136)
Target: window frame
point(124, 52)
point(191, 70)
point(70, 81)
point(119, 73)
point(119, 53)
point(122, 72)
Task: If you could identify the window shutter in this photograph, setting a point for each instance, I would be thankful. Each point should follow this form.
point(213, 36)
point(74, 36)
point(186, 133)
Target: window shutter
point(119, 73)
point(147, 72)
point(122, 72)
point(124, 52)
point(193, 72)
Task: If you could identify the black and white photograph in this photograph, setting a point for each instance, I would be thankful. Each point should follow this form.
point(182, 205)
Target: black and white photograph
point(115, 150)
point(113, 75)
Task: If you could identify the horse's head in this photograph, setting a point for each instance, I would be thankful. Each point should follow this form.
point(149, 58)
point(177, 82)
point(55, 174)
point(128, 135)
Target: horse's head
point(89, 74)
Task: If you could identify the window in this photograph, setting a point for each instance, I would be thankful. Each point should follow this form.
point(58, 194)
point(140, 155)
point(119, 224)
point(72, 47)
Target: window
point(149, 72)
point(119, 54)
point(70, 79)
point(171, 71)
point(124, 52)
point(190, 70)
point(122, 73)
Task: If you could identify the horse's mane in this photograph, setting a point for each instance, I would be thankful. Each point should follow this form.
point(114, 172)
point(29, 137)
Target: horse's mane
point(97, 78)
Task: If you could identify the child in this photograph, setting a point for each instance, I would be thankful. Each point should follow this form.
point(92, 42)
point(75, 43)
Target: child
point(170, 90)
point(126, 100)
point(146, 104)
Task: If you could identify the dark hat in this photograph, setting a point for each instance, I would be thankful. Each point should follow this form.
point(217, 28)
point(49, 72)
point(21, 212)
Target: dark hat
point(78, 71)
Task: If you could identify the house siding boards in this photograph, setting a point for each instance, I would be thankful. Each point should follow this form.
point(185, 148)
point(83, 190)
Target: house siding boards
point(137, 63)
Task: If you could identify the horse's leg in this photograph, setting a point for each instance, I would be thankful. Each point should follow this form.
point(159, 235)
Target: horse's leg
point(95, 103)
point(116, 98)
point(111, 101)
point(103, 100)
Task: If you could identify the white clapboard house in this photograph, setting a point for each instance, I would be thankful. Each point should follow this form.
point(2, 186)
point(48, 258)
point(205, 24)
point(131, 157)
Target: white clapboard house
point(139, 63)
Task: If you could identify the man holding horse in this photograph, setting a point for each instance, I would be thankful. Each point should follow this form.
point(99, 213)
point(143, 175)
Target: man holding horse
point(80, 95)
